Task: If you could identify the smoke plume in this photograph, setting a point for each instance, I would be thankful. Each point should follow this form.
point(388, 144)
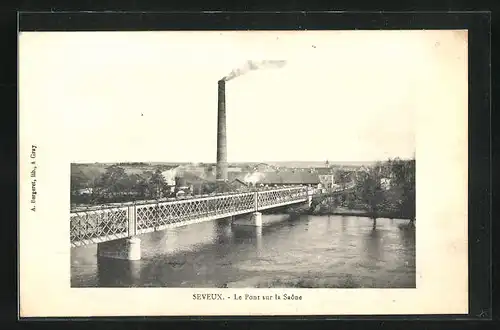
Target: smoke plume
point(254, 65)
point(253, 178)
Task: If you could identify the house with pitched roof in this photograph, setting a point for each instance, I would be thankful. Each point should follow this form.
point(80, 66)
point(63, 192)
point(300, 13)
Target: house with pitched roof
point(290, 178)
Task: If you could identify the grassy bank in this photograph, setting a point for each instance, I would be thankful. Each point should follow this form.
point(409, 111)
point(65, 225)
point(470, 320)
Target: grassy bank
point(361, 213)
point(348, 212)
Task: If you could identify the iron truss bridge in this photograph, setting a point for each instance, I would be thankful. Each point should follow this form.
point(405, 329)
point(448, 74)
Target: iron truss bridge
point(114, 222)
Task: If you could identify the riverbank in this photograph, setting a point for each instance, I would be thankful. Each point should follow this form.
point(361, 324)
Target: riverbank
point(349, 212)
point(361, 213)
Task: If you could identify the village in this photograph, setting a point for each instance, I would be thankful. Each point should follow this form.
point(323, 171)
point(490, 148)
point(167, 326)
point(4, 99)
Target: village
point(190, 178)
point(122, 181)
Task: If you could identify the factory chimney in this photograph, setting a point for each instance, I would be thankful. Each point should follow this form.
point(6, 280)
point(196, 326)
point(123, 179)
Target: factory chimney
point(221, 174)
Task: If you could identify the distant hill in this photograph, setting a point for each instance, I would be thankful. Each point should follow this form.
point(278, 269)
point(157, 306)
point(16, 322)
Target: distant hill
point(308, 164)
point(166, 165)
point(88, 172)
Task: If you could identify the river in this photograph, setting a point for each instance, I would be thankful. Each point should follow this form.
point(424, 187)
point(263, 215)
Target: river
point(301, 251)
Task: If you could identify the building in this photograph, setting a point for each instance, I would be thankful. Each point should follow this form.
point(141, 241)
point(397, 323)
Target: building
point(327, 180)
point(385, 183)
point(291, 178)
point(169, 176)
point(85, 191)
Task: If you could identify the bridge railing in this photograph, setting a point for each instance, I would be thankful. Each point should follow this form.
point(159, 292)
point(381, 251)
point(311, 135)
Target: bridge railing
point(99, 225)
point(273, 198)
point(161, 215)
point(94, 226)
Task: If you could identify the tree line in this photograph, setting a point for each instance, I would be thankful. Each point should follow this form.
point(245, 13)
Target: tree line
point(116, 185)
point(384, 188)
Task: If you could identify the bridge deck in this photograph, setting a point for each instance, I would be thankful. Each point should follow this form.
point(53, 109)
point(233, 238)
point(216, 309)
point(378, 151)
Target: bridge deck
point(114, 222)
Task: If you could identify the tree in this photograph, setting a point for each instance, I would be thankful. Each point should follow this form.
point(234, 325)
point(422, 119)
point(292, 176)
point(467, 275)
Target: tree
point(157, 185)
point(78, 180)
point(141, 187)
point(403, 181)
point(369, 195)
point(369, 191)
point(208, 187)
point(97, 192)
point(113, 181)
point(132, 184)
point(342, 177)
point(409, 202)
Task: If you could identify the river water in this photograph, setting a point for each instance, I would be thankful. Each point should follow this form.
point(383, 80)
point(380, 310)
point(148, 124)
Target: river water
point(300, 251)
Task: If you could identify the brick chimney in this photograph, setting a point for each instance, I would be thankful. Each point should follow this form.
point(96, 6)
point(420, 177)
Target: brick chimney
point(221, 174)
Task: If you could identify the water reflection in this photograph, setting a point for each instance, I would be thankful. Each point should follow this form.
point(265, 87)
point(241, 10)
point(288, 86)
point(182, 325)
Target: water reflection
point(223, 232)
point(373, 245)
point(344, 223)
point(321, 251)
point(111, 272)
point(407, 240)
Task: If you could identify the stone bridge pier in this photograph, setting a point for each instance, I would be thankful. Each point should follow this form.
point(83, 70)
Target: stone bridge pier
point(125, 249)
point(255, 220)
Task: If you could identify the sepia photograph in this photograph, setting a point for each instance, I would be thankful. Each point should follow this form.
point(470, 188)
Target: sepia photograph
point(247, 160)
point(294, 193)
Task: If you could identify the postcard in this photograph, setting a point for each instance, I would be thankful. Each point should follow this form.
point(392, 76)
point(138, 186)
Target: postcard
point(171, 173)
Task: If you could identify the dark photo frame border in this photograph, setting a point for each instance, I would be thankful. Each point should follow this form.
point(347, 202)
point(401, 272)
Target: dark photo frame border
point(480, 168)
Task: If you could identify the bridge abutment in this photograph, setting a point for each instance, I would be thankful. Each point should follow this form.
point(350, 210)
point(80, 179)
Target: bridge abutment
point(125, 249)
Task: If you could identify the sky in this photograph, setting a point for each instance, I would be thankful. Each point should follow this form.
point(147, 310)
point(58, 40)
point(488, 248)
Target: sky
point(152, 96)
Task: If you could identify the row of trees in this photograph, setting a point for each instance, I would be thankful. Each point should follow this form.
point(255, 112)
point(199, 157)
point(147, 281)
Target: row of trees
point(386, 187)
point(115, 185)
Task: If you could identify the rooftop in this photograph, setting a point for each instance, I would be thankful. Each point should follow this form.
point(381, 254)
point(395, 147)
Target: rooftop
point(290, 178)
